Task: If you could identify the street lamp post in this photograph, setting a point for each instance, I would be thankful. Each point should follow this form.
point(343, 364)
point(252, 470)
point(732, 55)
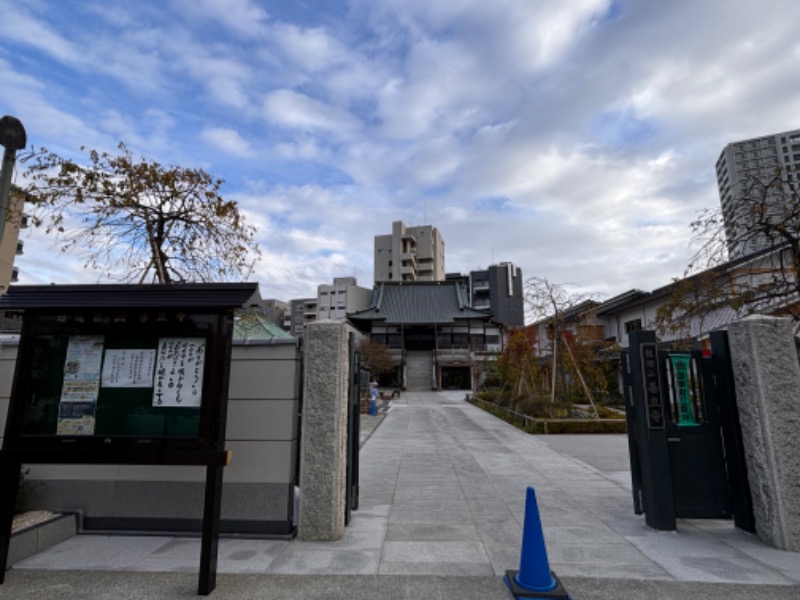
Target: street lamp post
point(12, 138)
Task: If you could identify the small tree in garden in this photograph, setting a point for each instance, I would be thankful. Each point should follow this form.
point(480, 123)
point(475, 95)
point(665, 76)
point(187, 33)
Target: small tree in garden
point(517, 366)
point(376, 358)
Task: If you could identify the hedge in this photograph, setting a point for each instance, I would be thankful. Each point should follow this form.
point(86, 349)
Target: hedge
point(540, 425)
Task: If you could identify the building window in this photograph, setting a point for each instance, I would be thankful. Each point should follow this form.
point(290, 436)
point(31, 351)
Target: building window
point(634, 325)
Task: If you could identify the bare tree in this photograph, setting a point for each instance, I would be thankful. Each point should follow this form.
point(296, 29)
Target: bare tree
point(766, 219)
point(549, 302)
point(136, 220)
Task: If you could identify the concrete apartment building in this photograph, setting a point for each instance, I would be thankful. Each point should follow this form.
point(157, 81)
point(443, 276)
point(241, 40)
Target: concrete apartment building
point(740, 161)
point(409, 254)
point(302, 311)
point(344, 296)
point(332, 303)
point(499, 289)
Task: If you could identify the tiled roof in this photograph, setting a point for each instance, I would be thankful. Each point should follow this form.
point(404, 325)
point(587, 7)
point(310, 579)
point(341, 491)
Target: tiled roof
point(254, 327)
point(419, 303)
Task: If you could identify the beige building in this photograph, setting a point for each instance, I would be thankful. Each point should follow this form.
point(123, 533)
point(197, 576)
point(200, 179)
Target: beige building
point(409, 254)
point(11, 245)
point(342, 297)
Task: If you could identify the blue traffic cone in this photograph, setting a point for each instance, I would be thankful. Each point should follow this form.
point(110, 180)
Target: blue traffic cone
point(534, 578)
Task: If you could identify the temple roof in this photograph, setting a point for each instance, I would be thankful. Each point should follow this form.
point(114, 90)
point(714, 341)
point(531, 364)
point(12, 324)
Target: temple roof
point(419, 303)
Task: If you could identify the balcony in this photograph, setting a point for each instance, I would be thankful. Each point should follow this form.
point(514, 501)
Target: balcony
point(454, 353)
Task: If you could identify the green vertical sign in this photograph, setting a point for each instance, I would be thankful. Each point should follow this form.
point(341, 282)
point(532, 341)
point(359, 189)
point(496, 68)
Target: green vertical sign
point(680, 366)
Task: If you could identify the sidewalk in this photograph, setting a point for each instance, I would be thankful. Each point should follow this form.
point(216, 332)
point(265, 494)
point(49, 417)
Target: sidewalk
point(441, 506)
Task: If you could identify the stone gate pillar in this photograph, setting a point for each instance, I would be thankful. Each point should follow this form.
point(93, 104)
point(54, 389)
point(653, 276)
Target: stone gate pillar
point(767, 377)
point(323, 457)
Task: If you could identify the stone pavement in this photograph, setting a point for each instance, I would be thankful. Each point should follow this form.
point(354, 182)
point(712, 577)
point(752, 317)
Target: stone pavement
point(441, 506)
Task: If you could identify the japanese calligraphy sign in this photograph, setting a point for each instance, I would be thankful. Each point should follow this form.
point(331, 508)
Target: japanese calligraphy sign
point(652, 390)
point(179, 372)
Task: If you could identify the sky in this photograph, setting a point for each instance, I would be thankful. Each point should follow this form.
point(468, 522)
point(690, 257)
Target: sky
point(574, 139)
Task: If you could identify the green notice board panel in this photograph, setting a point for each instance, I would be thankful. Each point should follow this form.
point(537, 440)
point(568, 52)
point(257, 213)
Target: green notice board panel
point(144, 381)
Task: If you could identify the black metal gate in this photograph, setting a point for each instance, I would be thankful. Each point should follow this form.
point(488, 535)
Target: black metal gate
point(684, 439)
point(358, 377)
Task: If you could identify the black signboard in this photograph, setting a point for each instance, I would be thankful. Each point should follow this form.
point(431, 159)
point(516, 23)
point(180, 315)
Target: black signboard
point(652, 390)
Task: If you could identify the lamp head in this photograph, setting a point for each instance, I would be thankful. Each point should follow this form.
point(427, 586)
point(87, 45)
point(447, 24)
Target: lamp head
point(12, 133)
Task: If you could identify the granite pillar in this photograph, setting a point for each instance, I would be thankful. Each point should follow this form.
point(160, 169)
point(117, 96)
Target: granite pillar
point(767, 377)
point(323, 459)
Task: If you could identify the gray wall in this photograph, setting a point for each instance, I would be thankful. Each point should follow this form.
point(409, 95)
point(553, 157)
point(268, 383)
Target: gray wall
point(258, 495)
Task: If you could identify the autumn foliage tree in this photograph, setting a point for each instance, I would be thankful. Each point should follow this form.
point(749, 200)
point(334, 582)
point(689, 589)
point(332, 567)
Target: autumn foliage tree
point(517, 365)
point(138, 220)
point(376, 358)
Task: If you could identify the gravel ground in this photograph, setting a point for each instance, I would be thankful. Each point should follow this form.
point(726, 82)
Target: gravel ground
point(31, 518)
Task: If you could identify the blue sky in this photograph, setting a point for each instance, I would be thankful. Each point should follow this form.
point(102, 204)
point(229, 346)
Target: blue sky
point(575, 139)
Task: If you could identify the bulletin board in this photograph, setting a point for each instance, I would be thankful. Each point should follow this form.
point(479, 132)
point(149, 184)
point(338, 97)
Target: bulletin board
point(127, 375)
point(122, 374)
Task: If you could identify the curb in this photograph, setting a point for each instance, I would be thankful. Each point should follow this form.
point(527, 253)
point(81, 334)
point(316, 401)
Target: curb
point(40, 537)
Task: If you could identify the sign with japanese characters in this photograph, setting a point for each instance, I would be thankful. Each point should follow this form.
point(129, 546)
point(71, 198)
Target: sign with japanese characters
point(179, 372)
point(128, 368)
point(652, 390)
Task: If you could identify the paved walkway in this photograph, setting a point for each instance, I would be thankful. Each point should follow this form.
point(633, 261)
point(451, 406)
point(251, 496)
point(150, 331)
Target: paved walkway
point(441, 506)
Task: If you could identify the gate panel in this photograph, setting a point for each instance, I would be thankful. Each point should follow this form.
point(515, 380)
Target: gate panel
point(697, 462)
point(685, 443)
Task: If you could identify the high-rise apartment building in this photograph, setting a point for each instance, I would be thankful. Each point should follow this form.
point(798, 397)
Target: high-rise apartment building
point(409, 254)
point(737, 165)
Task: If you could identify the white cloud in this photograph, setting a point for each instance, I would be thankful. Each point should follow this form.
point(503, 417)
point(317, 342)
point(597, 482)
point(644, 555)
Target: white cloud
point(20, 26)
point(293, 110)
point(227, 140)
point(312, 49)
point(244, 17)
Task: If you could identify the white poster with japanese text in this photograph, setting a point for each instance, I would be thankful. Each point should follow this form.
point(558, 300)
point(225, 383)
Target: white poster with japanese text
point(179, 372)
point(128, 368)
